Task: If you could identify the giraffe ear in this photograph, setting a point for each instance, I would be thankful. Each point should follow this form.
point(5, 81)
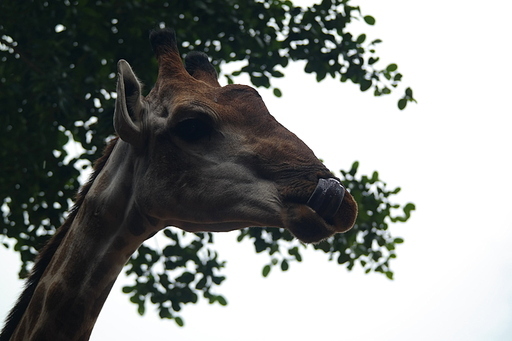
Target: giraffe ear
point(199, 67)
point(129, 111)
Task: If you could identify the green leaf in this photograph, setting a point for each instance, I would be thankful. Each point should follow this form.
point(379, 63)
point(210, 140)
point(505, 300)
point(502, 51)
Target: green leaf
point(324, 245)
point(361, 38)
point(353, 169)
point(127, 289)
point(402, 103)
point(179, 321)
point(294, 251)
point(266, 270)
point(277, 92)
point(365, 85)
point(343, 258)
point(284, 265)
point(375, 177)
point(260, 245)
point(229, 79)
point(277, 74)
point(369, 20)
point(243, 233)
point(392, 67)
point(164, 313)
point(218, 279)
point(186, 277)
point(222, 301)
point(409, 207)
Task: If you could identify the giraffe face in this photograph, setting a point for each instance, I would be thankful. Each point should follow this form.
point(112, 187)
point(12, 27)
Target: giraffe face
point(212, 158)
point(191, 154)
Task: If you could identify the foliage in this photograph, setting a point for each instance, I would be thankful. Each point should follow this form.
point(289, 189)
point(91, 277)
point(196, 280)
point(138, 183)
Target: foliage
point(57, 70)
point(185, 269)
point(176, 275)
point(369, 242)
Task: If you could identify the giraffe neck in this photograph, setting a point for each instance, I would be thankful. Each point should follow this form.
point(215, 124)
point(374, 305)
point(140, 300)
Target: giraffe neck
point(107, 229)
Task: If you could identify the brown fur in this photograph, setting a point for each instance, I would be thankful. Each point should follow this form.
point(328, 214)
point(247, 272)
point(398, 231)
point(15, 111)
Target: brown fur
point(46, 254)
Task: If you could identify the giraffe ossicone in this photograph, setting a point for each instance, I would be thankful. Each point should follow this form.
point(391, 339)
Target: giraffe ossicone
point(191, 154)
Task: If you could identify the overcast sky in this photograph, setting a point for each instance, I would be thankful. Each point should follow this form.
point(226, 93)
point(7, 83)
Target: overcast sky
point(450, 154)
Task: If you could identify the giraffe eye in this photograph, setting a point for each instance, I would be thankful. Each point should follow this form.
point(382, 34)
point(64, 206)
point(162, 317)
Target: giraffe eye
point(193, 129)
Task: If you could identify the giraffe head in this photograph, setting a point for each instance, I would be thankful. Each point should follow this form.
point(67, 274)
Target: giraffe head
point(212, 158)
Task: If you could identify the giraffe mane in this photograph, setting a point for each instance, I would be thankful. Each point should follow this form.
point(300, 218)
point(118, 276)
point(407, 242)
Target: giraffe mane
point(46, 254)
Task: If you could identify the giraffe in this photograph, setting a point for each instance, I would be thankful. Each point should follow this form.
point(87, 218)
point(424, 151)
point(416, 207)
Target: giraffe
point(191, 154)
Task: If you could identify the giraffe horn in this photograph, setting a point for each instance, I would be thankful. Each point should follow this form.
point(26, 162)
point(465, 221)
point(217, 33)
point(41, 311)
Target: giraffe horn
point(165, 47)
point(199, 67)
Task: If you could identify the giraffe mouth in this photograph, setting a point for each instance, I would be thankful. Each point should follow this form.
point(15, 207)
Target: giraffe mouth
point(326, 198)
point(329, 210)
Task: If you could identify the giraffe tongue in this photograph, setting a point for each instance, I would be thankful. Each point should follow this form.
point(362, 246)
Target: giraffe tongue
point(327, 197)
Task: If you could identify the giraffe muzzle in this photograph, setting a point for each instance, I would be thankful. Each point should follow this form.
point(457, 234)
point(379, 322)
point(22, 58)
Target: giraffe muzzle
point(326, 198)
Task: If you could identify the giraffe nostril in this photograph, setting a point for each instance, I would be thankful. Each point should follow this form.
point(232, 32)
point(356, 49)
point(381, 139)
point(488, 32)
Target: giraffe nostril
point(326, 198)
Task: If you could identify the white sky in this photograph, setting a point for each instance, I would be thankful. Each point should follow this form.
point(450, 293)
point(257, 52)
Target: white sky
point(450, 154)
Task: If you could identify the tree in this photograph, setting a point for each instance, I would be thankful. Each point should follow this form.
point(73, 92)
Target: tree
point(57, 75)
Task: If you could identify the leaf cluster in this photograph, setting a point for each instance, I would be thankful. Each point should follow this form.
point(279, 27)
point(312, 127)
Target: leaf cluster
point(188, 267)
point(57, 79)
point(368, 243)
point(175, 276)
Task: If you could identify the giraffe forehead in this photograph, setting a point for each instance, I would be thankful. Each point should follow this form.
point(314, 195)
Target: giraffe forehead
point(240, 105)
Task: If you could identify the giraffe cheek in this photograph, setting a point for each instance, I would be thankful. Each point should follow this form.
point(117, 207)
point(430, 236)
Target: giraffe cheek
point(305, 224)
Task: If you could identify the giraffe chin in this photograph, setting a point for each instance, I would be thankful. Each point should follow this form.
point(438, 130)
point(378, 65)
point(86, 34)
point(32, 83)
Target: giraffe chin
point(305, 224)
